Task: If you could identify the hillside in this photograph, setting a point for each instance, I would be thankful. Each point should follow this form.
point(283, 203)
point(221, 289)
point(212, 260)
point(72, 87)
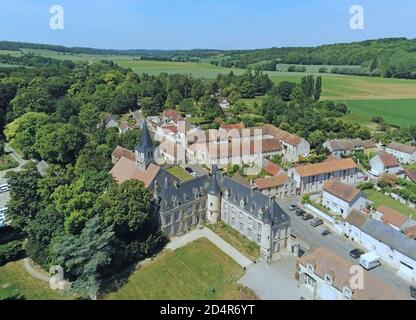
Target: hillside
point(389, 57)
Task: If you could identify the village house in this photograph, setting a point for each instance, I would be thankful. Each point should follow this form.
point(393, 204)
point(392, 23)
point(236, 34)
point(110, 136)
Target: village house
point(280, 186)
point(341, 198)
point(328, 275)
point(293, 146)
point(311, 178)
point(404, 153)
point(110, 121)
point(345, 147)
point(392, 246)
point(384, 163)
point(272, 168)
point(393, 218)
point(224, 104)
point(410, 175)
point(120, 152)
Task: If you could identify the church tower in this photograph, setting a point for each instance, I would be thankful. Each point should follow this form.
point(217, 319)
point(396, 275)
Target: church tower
point(214, 199)
point(145, 149)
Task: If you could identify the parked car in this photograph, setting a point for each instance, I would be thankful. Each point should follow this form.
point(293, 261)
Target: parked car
point(293, 207)
point(356, 253)
point(189, 170)
point(307, 216)
point(300, 212)
point(326, 233)
point(4, 188)
point(412, 291)
point(316, 222)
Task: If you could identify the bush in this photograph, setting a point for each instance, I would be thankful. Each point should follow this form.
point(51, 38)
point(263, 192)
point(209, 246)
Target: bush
point(366, 186)
point(11, 251)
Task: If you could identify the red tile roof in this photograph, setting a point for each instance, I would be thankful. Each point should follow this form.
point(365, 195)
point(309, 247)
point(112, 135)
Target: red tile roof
point(411, 174)
point(392, 217)
point(272, 168)
point(405, 148)
point(126, 169)
point(271, 182)
point(120, 152)
point(388, 159)
point(341, 190)
point(326, 167)
point(238, 126)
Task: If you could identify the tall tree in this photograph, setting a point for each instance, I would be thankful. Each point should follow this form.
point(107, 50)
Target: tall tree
point(24, 197)
point(318, 88)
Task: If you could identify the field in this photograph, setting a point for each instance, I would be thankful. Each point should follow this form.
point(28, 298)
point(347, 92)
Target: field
point(189, 273)
point(15, 282)
point(398, 112)
point(379, 199)
point(334, 86)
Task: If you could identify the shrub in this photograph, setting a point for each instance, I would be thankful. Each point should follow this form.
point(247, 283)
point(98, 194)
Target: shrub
point(11, 251)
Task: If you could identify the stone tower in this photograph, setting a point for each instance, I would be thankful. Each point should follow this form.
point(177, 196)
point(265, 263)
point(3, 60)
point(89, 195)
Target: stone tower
point(145, 149)
point(214, 199)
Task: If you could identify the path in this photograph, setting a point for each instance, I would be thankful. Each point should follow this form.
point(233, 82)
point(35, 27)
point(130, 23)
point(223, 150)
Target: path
point(34, 273)
point(215, 239)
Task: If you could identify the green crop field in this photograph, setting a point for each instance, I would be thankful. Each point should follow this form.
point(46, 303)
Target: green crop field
point(334, 86)
point(379, 199)
point(400, 112)
point(188, 273)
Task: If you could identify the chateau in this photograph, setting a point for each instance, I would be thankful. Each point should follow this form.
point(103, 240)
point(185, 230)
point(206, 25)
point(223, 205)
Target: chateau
point(209, 198)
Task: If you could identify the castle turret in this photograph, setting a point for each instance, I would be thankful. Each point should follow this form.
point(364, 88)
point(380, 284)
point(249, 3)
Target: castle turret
point(145, 149)
point(266, 235)
point(214, 199)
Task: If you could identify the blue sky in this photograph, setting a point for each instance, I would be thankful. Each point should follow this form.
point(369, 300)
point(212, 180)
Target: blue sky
point(219, 24)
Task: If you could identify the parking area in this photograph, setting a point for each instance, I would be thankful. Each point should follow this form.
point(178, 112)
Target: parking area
point(199, 170)
point(276, 281)
point(338, 244)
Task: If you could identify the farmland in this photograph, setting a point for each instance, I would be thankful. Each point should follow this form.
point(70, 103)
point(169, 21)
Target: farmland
point(397, 112)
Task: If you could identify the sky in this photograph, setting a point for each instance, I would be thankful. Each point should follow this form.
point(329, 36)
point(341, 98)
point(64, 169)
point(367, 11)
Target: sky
point(204, 24)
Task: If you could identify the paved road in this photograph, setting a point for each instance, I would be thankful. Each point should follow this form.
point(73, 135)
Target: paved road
point(276, 281)
point(338, 244)
point(215, 239)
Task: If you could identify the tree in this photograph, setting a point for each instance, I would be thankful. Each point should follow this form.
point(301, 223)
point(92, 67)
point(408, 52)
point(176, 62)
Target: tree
point(59, 143)
point(22, 131)
point(85, 258)
point(24, 198)
point(89, 117)
point(412, 132)
point(127, 209)
point(307, 85)
point(285, 90)
point(316, 138)
point(298, 95)
point(47, 224)
point(318, 88)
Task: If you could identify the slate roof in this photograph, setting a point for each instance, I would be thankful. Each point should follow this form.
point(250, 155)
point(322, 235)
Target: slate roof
point(391, 237)
point(146, 142)
point(255, 203)
point(180, 193)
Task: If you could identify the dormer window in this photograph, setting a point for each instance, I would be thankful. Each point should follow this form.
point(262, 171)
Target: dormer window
point(310, 268)
point(242, 203)
point(328, 279)
point(347, 292)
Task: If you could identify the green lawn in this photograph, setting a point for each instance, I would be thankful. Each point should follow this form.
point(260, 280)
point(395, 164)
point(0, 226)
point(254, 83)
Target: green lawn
point(400, 112)
point(247, 247)
point(379, 199)
point(7, 162)
point(15, 282)
point(180, 173)
point(189, 273)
